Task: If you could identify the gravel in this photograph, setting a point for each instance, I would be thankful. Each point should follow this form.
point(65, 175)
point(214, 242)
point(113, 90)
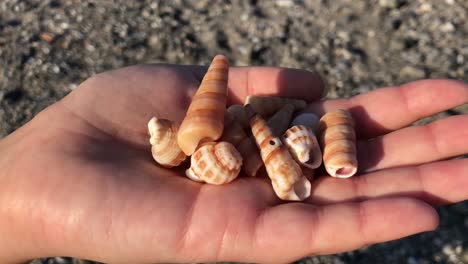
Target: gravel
point(48, 47)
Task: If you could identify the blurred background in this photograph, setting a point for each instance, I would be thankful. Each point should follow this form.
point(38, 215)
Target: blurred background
point(48, 47)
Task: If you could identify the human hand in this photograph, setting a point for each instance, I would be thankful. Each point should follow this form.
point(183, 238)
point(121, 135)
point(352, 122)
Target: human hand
point(79, 179)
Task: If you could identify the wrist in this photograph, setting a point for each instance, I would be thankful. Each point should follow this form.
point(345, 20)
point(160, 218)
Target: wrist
point(15, 241)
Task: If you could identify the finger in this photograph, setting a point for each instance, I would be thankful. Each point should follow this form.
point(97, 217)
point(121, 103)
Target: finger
point(438, 140)
point(436, 183)
point(286, 82)
point(391, 108)
point(291, 231)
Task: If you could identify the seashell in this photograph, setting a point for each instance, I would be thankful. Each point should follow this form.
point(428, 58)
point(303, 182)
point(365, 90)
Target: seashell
point(163, 138)
point(303, 146)
point(279, 122)
point(205, 116)
point(306, 119)
point(267, 105)
point(235, 134)
point(338, 141)
point(238, 112)
point(286, 175)
point(215, 163)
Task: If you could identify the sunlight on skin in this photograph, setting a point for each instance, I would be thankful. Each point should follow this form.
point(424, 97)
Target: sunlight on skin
point(79, 180)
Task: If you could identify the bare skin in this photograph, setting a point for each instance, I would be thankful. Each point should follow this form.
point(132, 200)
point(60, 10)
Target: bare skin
point(78, 180)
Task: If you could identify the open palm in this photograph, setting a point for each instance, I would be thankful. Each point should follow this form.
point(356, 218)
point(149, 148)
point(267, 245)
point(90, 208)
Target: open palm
point(84, 184)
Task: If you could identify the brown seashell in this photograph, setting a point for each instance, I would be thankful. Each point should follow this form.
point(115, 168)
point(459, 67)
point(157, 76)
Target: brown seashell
point(235, 134)
point(238, 112)
point(306, 119)
point(215, 163)
point(205, 116)
point(267, 105)
point(286, 175)
point(279, 122)
point(338, 141)
point(164, 142)
point(303, 146)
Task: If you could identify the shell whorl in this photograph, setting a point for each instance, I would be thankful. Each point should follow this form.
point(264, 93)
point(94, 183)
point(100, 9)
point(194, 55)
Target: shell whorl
point(286, 176)
point(268, 105)
point(338, 141)
point(163, 139)
point(215, 163)
point(204, 120)
point(303, 146)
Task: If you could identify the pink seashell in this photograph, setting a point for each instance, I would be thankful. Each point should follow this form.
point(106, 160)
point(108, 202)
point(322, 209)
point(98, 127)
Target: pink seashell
point(338, 141)
point(205, 116)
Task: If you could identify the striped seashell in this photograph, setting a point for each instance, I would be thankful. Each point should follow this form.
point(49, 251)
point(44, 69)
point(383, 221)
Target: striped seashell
point(286, 175)
point(268, 105)
point(338, 140)
point(238, 112)
point(279, 122)
point(235, 134)
point(306, 119)
point(204, 120)
point(163, 139)
point(303, 146)
point(215, 163)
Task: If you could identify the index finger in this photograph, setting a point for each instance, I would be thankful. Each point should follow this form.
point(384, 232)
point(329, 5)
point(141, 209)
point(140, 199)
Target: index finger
point(283, 82)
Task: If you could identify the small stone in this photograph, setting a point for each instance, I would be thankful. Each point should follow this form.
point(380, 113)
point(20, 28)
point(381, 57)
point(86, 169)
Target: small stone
point(409, 72)
point(412, 260)
point(388, 3)
point(47, 37)
point(447, 27)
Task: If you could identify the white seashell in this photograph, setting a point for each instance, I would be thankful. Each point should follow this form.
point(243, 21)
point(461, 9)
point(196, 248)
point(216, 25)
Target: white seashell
point(286, 175)
point(306, 119)
point(303, 146)
point(215, 163)
point(163, 138)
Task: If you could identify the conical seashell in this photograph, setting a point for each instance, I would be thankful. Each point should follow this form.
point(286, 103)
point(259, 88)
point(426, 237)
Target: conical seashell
point(286, 176)
point(303, 146)
point(205, 115)
point(238, 112)
point(215, 163)
point(164, 142)
point(268, 105)
point(235, 134)
point(306, 119)
point(338, 140)
point(279, 122)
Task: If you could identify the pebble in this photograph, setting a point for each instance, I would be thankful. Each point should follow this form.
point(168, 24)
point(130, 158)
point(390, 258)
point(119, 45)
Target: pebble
point(409, 72)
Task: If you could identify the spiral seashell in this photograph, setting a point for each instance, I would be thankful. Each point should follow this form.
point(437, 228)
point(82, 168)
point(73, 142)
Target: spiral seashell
point(163, 138)
point(306, 119)
point(205, 116)
point(338, 140)
point(238, 112)
point(215, 163)
point(286, 175)
point(303, 146)
point(235, 134)
point(268, 105)
point(279, 122)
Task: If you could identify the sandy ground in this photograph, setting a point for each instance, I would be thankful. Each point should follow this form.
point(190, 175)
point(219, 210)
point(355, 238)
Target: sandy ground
point(48, 47)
